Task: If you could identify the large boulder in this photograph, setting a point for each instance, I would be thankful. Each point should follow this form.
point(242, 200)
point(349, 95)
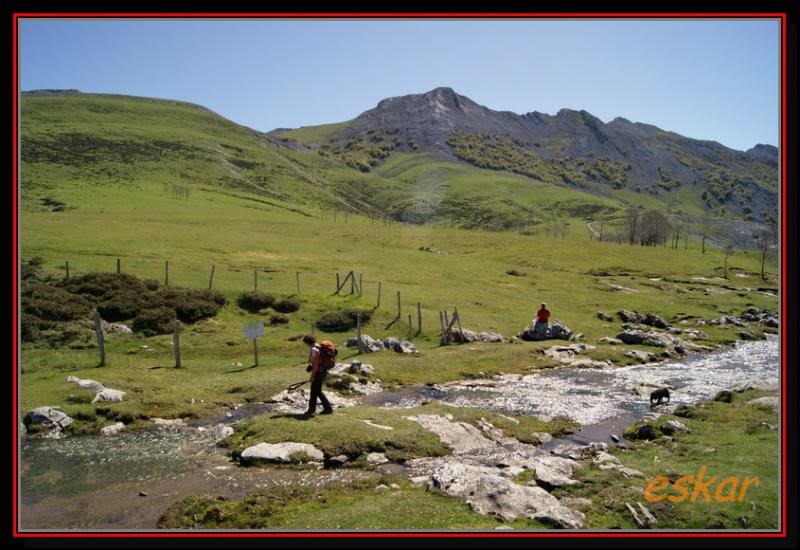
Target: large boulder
point(490, 494)
point(86, 383)
point(553, 471)
point(630, 316)
point(281, 453)
point(555, 331)
point(48, 417)
point(653, 320)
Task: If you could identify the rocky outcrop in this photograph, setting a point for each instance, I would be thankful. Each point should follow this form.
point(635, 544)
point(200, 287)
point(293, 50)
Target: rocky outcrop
point(458, 436)
point(112, 429)
point(554, 331)
point(281, 453)
point(490, 494)
point(296, 401)
point(47, 417)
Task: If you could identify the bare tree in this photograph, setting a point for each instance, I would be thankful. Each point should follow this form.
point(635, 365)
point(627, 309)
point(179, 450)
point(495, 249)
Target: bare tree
point(631, 223)
point(727, 252)
point(707, 225)
point(765, 240)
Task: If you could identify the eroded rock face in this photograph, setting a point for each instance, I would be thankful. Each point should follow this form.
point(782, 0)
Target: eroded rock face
point(488, 493)
point(553, 471)
point(281, 452)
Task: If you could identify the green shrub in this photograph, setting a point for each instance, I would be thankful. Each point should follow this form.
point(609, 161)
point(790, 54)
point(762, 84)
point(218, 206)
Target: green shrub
point(121, 305)
point(189, 305)
point(32, 269)
point(255, 301)
point(150, 284)
point(101, 286)
point(150, 322)
point(289, 304)
point(53, 303)
point(339, 321)
point(278, 319)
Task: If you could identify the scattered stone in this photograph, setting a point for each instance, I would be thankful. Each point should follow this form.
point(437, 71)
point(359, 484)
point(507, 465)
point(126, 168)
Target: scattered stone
point(678, 425)
point(614, 438)
point(771, 322)
point(369, 343)
point(553, 471)
point(86, 384)
point(142, 494)
point(377, 458)
point(381, 488)
point(399, 346)
point(112, 429)
point(466, 336)
point(767, 402)
point(108, 394)
point(338, 460)
point(630, 316)
point(653, 320)
point(602, 315)
point(374, 425)
point(360, 369)
point(641, 356)
point(433, 250)
point(644, 431)
point(576, 502)
point(117, 328)
point(610, 340)
point(49, 417)
point(169, 423)
point(684, 411)
point(281, 452)
point(745, 335)
point(394, 486)
point(419, 480)
point(726, 396)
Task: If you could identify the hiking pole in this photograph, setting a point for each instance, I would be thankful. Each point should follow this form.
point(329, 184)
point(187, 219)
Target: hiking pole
point(296, 385)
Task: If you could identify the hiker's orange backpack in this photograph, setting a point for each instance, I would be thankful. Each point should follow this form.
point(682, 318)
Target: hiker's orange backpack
point(327, 355)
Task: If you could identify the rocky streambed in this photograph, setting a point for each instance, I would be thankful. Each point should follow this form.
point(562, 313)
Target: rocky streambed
point(124, 480)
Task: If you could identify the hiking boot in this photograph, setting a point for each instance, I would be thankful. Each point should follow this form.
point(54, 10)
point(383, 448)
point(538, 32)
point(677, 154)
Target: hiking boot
point(308, 414)
point(327, 411)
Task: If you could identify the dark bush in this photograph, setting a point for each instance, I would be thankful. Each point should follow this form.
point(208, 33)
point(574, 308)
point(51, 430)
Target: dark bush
point(189, 305)
point(339, 321)
point(255, 301)
point(102, 286)
point(52, 303)
point(32, 269)
point(121, 305)
point(31, 327)
point(287, 305)
point(278, 319)
point(150, 284)
point(150, 322)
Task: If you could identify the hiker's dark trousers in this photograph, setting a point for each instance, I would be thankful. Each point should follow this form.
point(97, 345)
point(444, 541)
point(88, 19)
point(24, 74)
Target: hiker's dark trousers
point(316, 392)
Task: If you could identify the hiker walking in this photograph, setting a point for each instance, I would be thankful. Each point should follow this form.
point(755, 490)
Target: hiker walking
point(542, 318)
point(321, 358)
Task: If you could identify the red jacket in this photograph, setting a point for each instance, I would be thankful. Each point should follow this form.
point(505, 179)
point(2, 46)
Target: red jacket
point(543, 315)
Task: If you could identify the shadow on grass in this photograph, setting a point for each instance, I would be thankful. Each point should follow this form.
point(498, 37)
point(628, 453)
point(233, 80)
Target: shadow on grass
point(240, 370)
point(295, 416)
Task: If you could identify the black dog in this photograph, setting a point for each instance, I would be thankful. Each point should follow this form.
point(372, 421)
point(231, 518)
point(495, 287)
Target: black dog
point(657, 396)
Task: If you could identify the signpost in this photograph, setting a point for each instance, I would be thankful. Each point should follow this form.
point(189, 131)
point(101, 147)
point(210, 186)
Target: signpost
point(252, 331)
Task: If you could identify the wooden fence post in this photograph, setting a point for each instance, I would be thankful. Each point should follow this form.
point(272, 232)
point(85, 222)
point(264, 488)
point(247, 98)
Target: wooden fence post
point(360, 284)
point(176, 343)
point(359, 341)
point(379, 296)
point(166, 273)
point(119, 267)
point(337, 283)
point(419, 318)
point(297, 279)
point(398, 312)
point(98, 329)
point(255, 280)
point(255, 351)
point(211, 278)
point(66, 267)
point(410, 327)
point(352, 283)
point(458, 319)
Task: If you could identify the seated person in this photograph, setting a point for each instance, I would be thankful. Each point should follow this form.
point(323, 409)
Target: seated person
point(542, 317)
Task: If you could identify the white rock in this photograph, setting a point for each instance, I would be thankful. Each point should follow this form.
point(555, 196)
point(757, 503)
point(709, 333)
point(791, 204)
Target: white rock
point(108, 394)
point(112, 429)
point(377, 458)
point(374, 425)
point(280, 452)
point(458, 436)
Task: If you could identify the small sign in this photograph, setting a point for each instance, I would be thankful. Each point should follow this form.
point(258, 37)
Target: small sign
point(254, 330)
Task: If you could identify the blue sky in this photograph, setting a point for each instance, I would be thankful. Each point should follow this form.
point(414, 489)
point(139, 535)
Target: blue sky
point(713, 80)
